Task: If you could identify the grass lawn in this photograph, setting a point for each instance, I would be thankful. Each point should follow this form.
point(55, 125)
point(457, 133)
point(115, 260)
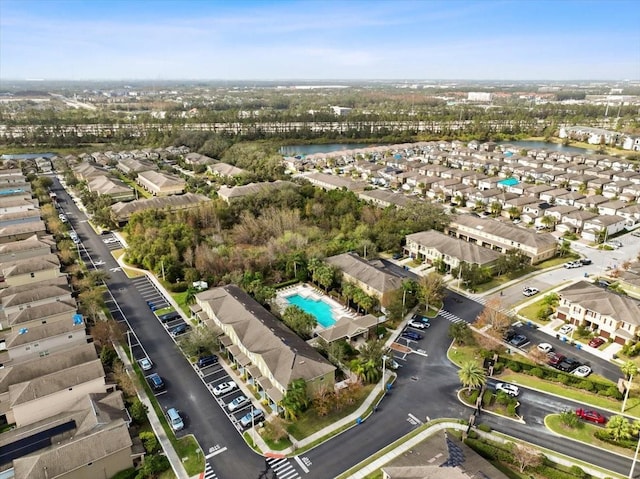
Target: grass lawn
point(461, 354)
point(180, 298)
point(583, 433)
point(633, 403)
point(531, 312)
point(131, 273)
point(311, 423)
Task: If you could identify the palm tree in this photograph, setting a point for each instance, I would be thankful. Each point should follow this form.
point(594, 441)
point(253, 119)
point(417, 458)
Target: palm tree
point(295, 401)
point(472, 375)
point(190, 296)
point(619, 428)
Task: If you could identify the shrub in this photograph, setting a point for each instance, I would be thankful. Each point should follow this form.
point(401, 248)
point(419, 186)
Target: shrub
point(473, 397)
point(586, 385)
point(537, 372)
point(511, 408)
point(502, 398)
point(472, 435)
point(126, 474)
point(514, 366)
point(544, 313)
point(578, 472)
point(487, 398)
point(149, 440)
point(180, 287)
point(138, 411)
point(562, 378)
point(498, 367)
point(484, 427)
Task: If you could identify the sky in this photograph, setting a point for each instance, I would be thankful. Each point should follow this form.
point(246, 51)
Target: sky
point(319, 40)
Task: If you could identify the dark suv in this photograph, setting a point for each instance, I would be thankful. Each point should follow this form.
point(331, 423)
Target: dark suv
point(165, 318)
point(156, 382)
point(204, 361)
point(568, 365)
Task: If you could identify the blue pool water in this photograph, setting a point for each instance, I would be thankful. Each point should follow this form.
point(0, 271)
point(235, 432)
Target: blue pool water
point(509, 182)
point(318, 308)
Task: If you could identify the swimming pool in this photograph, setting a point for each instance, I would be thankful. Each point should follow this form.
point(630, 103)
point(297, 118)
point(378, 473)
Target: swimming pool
point(316, 307)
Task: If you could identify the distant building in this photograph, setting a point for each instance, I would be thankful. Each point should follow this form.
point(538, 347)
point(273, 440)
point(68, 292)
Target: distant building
point(479, 96)
point(341, 110)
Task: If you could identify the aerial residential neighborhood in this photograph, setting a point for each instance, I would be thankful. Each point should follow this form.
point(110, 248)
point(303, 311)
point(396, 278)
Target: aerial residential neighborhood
point(319, 240)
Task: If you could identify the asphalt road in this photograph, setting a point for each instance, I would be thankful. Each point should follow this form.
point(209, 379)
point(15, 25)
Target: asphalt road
point(185, 391)
point(425, 388)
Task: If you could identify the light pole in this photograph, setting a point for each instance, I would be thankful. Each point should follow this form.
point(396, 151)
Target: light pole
point(384, 363)
point(635, 458)
point(404, 300)
point(624, 403)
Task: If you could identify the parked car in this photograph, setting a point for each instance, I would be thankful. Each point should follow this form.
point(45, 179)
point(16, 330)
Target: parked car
point(603, 283)
point(519, 340)
point(251, 418)
point(411, 335)
point(509, 389)
point(530, 291)
point(156, 382)
point(238, 402)
point(509, 335)
point(418, 324)
point(582, 371)
point(391, 363)
point(422, 319)
point(145, 364)
point(568, 365)
point(545, 347)
point(179, 330)
point(593, 416)
point(573, 264)
point(173, 417)
point(166, 317)
point(614, 244)
point(586, 261)
point(224, 388)
point(204, 361)
point(63, 218)
point(555, 359)
point(596, 342)
point(566, 329)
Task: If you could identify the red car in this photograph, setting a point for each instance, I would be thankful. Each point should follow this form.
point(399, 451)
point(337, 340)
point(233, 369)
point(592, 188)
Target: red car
point(593, 416)
point(555, 359)
point(596, 342)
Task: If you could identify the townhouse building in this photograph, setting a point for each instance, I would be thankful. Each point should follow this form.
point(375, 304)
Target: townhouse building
point(606, 313)
point(263, 348)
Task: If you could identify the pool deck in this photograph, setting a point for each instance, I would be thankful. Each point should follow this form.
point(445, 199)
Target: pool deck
point(307, 291)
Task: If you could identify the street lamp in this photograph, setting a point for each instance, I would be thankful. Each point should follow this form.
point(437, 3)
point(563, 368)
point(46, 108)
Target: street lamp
point(384, 363)
point(635, 458)
point(626, 395)
point(404, 300)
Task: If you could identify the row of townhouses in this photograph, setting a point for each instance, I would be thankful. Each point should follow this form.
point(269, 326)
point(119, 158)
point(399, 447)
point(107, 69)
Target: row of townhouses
point(586, 195)
point(60, 416)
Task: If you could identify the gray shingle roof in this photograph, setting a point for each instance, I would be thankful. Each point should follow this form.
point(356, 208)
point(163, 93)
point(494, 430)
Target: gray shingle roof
point(287, 356)
point(456, 248)
point(363, 271)
point(603, 301)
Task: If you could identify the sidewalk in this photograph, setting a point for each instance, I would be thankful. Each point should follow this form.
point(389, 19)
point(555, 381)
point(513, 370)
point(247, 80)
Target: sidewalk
point(154, 420)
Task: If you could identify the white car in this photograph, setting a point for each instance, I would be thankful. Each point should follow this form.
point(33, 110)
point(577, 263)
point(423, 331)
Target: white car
point(390, 362)
point(566, 329)
point(145, 364)
point(573, 264)
point(582, 371)
point(530, 291)
point(224, 388)
point(545, 347)
point(418, 324)
point(109, 240)
point(509, 389)
point(238, 402)
point(62, 217)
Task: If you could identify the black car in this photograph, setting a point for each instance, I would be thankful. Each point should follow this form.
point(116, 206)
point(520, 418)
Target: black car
point(568, 365)
point(179, 329)
point(204, 361)
point(165, 318)
point(585, 261)
point(156, 382)
point(518, 340)
point(509, 335)
point(412, 335)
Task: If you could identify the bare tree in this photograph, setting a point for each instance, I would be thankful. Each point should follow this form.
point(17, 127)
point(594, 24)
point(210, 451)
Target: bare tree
point(124, 380)
point(526, 457)
point(493, 316)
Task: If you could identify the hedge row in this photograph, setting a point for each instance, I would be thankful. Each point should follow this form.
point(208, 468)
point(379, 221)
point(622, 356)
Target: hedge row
point(494, 452)
point(550, 374)
point(603, 435)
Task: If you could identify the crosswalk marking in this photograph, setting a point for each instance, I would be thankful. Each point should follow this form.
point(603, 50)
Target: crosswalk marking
point(283, 468)
point(450, 316)
point(208, 472)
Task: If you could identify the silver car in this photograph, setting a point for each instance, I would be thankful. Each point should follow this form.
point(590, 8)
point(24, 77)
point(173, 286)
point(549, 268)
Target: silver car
point(238, 402)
